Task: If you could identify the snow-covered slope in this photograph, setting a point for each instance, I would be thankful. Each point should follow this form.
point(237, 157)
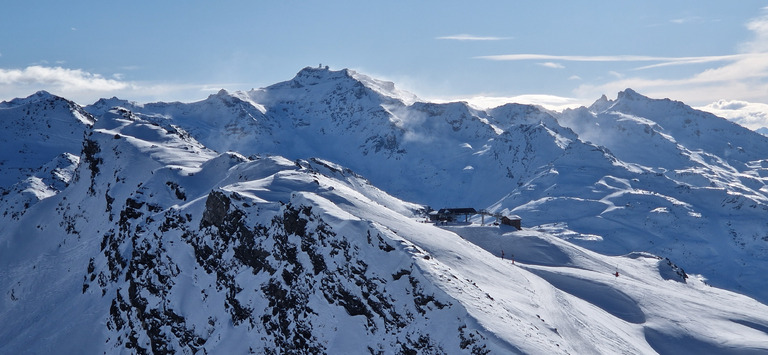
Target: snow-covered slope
point(36, 130)
point(159, 244)
point(375, 130)
point(627, 174)
point(274, 221)
point(695, 190)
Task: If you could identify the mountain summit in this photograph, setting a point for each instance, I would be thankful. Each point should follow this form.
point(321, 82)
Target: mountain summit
point(323, 75)
point(294, 219)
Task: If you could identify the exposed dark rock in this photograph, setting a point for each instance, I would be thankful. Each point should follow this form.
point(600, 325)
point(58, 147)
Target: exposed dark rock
point(90, 150)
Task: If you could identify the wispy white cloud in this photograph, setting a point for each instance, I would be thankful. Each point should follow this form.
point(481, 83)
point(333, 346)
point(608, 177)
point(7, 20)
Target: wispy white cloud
point(748, 114)
point(468, 37)
point(663, 61)
point(759, 27)
point(552, 65)
point(58, 77)
point(742, 75)
point(616, 74)
point(551, 102)
point(574, 77)
point(85, 87)
point(687, 19)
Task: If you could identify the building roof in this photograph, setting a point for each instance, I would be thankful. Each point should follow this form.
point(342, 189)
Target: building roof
point(511, 216)
point(466, 210)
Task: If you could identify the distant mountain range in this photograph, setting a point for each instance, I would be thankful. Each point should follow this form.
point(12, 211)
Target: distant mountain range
point(291, 219)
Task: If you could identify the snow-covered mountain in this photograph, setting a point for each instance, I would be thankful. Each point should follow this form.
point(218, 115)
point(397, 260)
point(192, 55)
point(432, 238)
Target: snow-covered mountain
point(36, 130)
point(699, 177)
point(275, 221)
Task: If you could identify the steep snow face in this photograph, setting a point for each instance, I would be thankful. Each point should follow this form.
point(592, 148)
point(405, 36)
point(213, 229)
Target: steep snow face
point(36, 130)
point(222, 122)
point(47, 181)
point(694, 190)
point(323, 76)
point(674, 121)
point(160, 244)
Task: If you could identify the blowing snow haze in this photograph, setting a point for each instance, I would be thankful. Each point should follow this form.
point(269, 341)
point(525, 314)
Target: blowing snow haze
point(294, 219)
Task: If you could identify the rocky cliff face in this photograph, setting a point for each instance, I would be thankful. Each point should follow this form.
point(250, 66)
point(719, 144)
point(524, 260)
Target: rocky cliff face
point(181, 271)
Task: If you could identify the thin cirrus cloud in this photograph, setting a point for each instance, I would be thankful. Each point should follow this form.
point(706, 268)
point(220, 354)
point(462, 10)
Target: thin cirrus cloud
point(552, 65)
point(468, 37)
point(689, 19)
point(742, 75)
point(660, 61)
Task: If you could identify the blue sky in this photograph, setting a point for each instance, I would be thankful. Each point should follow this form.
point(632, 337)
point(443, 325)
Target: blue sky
point(554, 52)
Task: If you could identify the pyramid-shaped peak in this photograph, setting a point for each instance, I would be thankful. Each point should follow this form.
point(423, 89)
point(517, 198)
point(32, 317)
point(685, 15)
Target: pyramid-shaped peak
point(311, 76)
point(221, 95)
point(230, 98)
point(40, 96)
point(602, 104)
